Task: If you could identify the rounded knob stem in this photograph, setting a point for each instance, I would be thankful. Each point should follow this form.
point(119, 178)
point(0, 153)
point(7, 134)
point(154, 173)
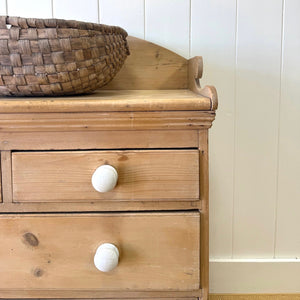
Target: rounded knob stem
point(104, 178)
point(106, 257)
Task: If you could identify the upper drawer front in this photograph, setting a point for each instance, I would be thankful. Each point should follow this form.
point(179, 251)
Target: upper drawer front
point(142, 175)
point(158, 251)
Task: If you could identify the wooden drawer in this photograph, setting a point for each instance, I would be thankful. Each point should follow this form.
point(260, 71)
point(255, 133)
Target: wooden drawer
point(65, 176)
point(158, 251)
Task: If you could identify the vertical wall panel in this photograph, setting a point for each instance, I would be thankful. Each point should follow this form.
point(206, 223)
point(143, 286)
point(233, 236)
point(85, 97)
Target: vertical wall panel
point(86, 10)
point(29, 8)
point(2, 7)
point(288, 213)
point(167, 24)
point(121, 13)
point(212, 19)
point(257, 117)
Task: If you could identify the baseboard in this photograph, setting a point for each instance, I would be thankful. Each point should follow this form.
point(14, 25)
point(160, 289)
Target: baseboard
point(255, 276)
point(254, 297)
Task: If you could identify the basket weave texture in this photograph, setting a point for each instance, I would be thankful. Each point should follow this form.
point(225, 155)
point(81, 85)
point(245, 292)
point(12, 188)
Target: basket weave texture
point(52, 57)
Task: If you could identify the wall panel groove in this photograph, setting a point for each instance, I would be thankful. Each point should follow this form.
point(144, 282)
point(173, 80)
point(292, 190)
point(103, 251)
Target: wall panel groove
point(257, 110)
point(278, 127)
point(288, 211)
point(209, 21)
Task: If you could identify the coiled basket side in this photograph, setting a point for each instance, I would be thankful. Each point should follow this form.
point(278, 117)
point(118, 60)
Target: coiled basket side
point(53, 57)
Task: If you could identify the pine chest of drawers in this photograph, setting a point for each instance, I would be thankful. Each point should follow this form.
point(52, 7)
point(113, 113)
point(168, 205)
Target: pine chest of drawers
point(106, 195)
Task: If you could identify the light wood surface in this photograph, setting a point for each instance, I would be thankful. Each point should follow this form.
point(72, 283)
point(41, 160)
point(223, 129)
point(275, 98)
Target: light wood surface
point(6, 176)
point(195, 73)
point(0, 180)
point(143, 175)
point(158, 251)
point(60, 140)
point(110, 100)
point(66, 294)
point(91, 206)
point(153, 78)
point(204, 195)
point(150, 66)
point(106, 121)
point(154, 104)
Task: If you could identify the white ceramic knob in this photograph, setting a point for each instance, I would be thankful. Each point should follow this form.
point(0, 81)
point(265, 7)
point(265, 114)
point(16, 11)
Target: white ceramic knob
point(106, 257)
point(104, 178)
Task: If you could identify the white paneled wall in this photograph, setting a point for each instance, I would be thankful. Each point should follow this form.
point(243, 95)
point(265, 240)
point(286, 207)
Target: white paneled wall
point(128, 15)
point(256, 126)
point(288, 207)
point(213, 36)
point(86, 10)
point(251, 54)
point(30, 8)
point(3, 7)
point(167, 23)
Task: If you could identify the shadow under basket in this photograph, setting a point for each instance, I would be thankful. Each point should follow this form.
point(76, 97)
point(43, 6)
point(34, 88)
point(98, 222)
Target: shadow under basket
point(53, 57)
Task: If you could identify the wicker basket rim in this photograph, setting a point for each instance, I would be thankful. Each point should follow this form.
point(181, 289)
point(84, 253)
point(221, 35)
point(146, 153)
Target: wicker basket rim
point(24, 23)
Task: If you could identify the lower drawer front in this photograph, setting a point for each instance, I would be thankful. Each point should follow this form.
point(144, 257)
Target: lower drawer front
point(158, 251)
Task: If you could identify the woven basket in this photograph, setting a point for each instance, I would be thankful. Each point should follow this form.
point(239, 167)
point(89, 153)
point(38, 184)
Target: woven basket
point(51, 57)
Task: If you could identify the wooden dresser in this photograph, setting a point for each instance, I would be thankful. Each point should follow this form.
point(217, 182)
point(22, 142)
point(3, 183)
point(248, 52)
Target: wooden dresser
point(149, 128)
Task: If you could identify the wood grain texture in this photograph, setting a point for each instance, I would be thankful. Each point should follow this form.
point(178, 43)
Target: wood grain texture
point(158, 251)
point(46, 140)
point(6, 176)
point(0, 179)
point(110, 100)
point(258, 65)
point(92, 206)
point(288, 206)
point(143, 175)
point(106, 121)
point(204, 195)
point(63, 294)
point(195, 69)
point(150, 105)
point(150, 67)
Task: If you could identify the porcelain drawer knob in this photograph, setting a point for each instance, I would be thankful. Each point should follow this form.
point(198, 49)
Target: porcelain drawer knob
point(106, 257)
point(104, 178)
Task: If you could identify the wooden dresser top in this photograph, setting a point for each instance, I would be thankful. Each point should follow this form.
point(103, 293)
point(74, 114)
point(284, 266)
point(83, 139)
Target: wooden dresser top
point(152, 79)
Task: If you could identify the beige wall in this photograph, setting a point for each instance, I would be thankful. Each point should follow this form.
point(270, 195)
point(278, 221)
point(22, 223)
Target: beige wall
point(251, 51)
